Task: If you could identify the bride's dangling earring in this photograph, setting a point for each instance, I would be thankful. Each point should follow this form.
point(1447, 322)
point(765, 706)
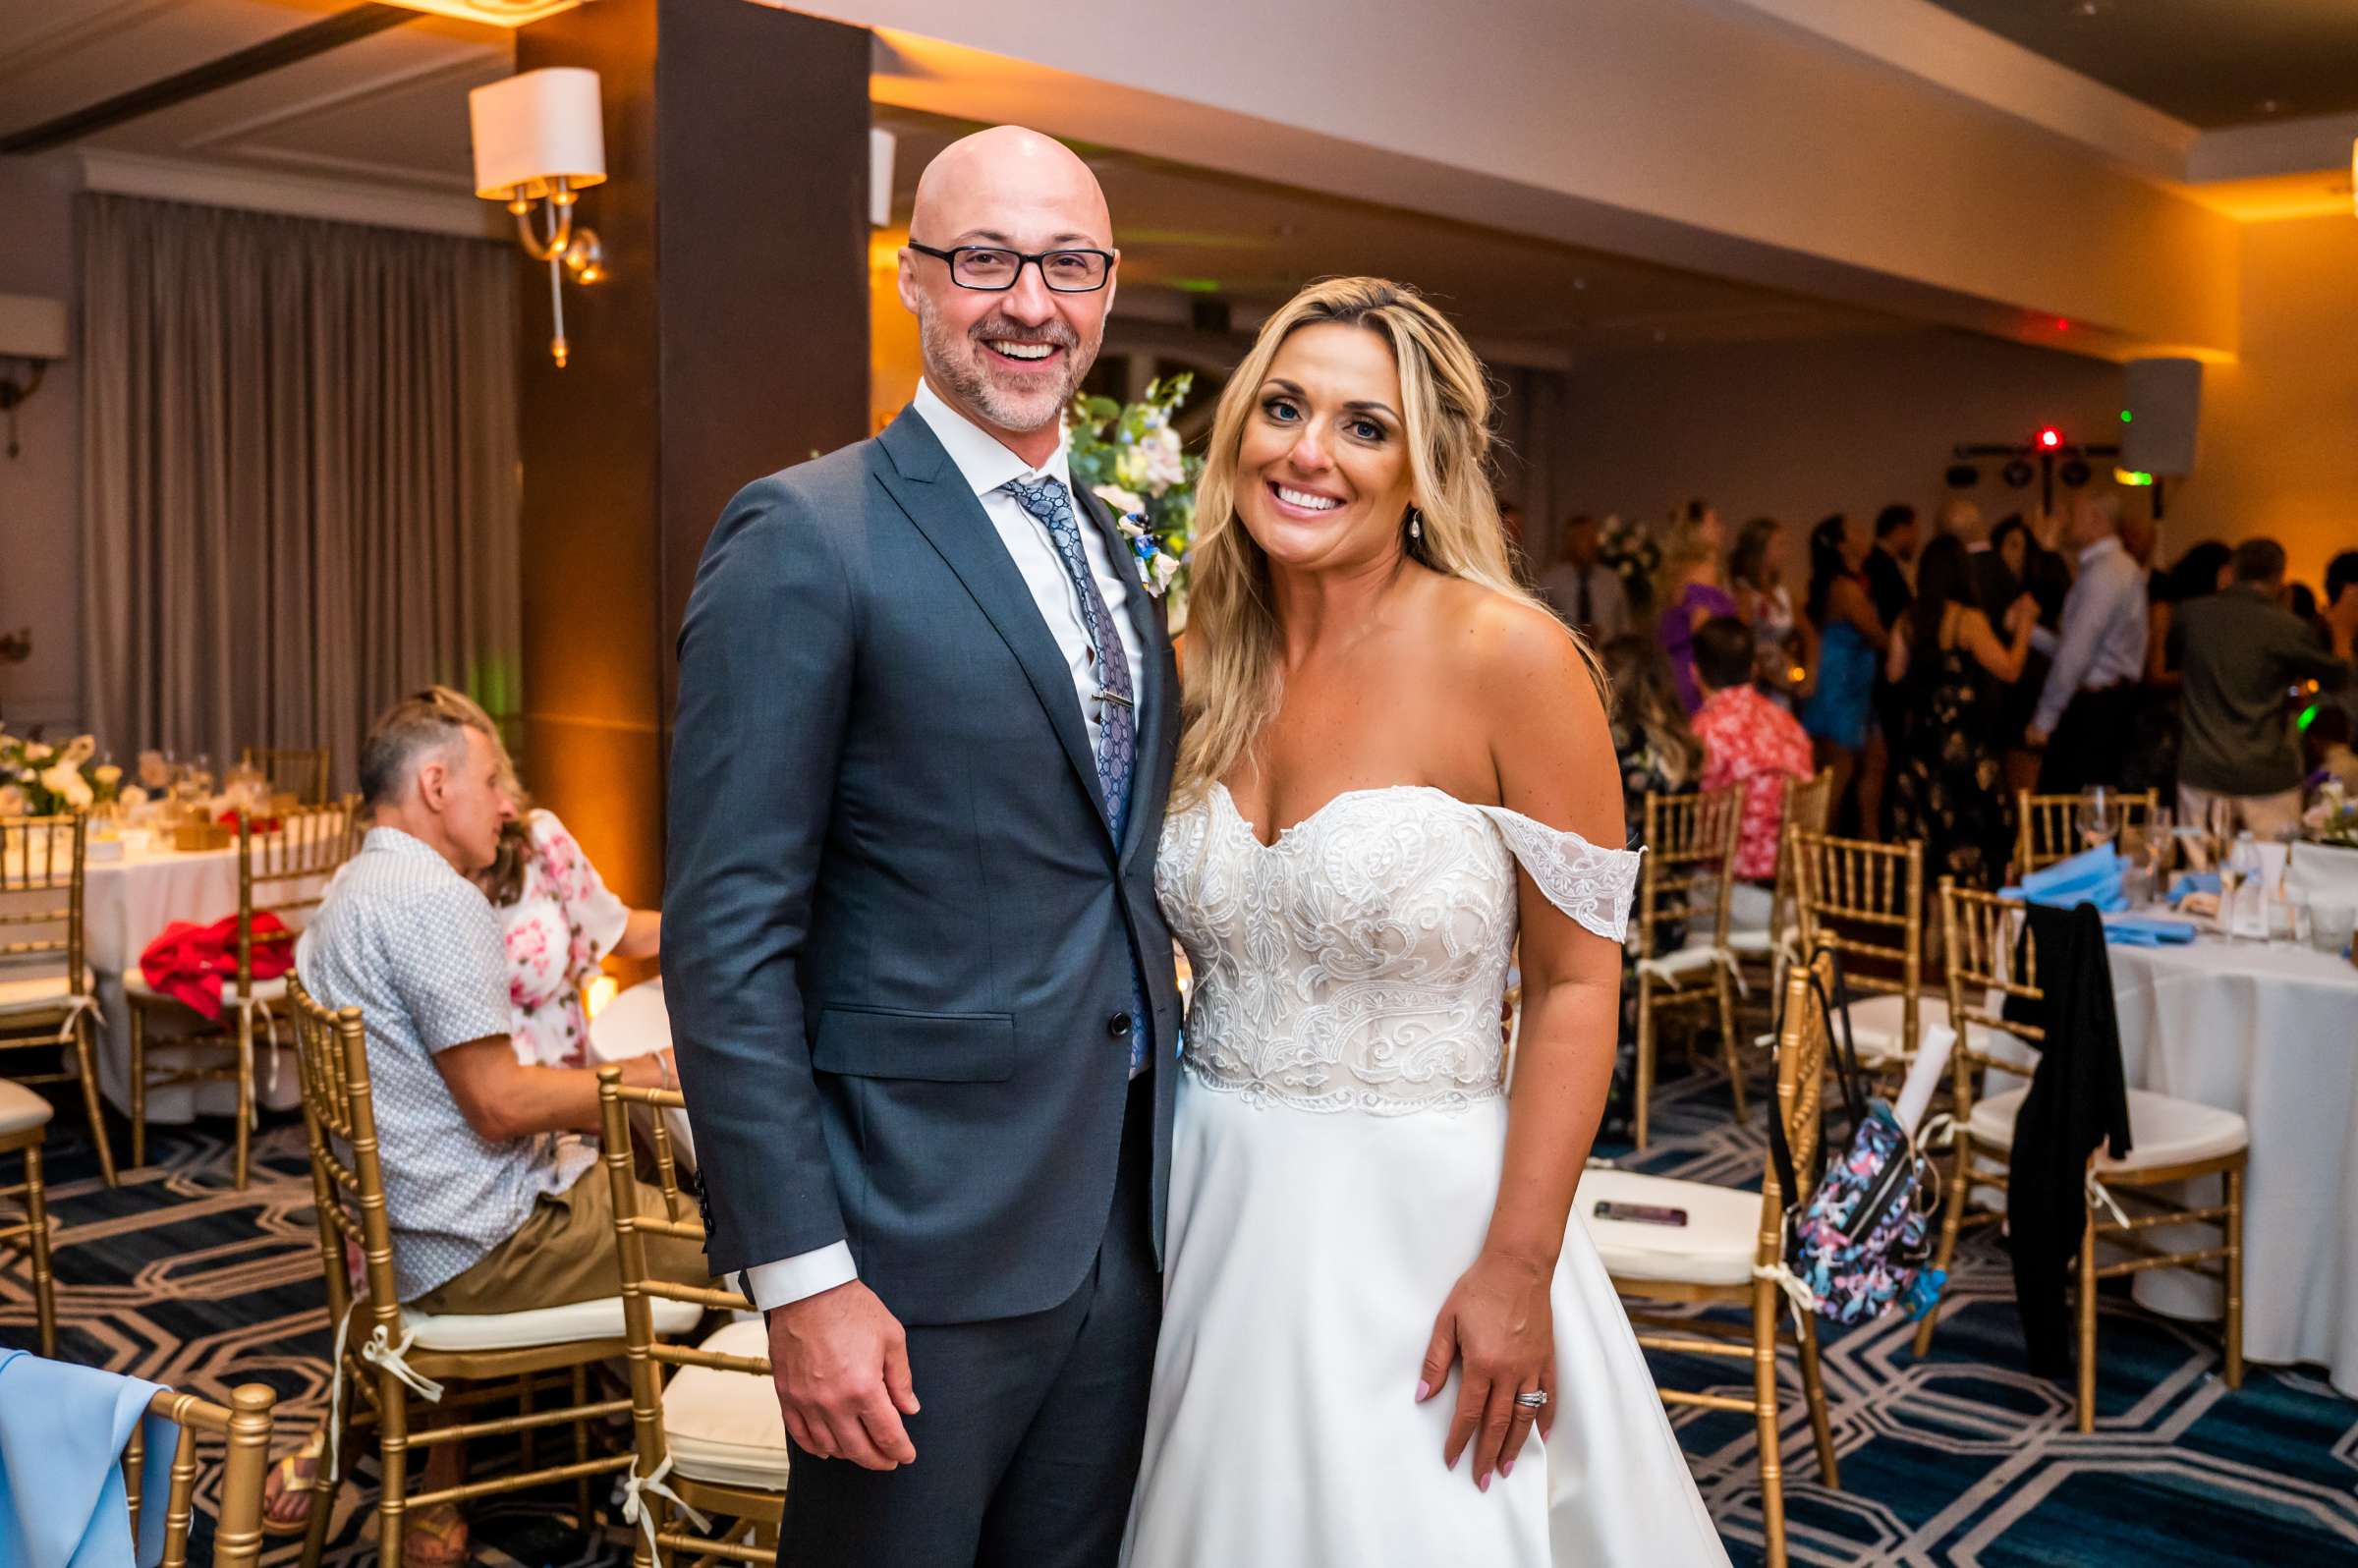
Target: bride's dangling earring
point(1416, 526)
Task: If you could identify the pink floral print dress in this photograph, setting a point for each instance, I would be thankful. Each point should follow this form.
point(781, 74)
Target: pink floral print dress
point(561, 924)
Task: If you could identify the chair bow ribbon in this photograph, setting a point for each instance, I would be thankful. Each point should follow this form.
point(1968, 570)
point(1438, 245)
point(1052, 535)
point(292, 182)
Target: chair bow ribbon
point(1723, 957)
point(637, 1511)
point(378, 1351)
point(75, 1006)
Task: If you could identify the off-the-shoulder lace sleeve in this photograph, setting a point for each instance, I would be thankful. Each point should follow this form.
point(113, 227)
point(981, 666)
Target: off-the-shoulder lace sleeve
point(1595, 886)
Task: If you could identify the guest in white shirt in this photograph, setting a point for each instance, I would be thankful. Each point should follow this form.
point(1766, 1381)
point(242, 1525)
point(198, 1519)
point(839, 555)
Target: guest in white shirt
point(2087, 711)
point(1581, 587)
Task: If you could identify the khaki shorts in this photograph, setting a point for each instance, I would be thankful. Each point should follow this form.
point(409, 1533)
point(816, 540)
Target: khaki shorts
point(565, 1250)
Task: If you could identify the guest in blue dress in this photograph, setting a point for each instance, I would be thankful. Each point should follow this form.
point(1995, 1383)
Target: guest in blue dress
point(1850, 645)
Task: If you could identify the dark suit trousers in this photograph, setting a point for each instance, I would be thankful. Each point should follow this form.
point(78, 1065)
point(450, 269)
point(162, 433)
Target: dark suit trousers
point(2092, 740)
point(1028, 1437)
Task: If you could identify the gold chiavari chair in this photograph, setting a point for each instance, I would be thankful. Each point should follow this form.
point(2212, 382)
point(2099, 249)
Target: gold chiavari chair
point(1727, 1254)
point(1866, 901)
point(2046, 827)
point(1809, 803)
point(2172, 1141)
point(24, 1122)
point(710, 1438)
point(300, 772)
point(243, 1426)
point(45, 996)
point(1689, 855)
point(283, 873)
point(388, 1355)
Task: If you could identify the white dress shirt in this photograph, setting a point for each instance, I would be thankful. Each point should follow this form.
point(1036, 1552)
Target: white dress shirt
point(1608, 606)
point(987, 467)
point(2102, 638)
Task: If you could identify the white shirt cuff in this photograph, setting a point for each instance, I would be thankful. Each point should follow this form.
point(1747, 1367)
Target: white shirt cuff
point(791, 1279)
point(2044, 641)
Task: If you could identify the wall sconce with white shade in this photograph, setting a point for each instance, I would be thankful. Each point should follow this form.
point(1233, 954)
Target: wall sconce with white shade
point(539, 140)
point(31, 329)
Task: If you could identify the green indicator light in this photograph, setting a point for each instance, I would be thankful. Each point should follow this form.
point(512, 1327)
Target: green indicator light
point(1197, 285)
point(2125, 416)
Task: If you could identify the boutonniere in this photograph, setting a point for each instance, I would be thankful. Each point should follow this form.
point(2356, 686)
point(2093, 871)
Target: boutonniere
point(1156, 566)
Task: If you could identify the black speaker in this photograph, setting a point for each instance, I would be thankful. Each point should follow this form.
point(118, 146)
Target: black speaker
point(2165, 398)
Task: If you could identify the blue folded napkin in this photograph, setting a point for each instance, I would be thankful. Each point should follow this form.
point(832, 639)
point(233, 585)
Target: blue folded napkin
point(63, 1503)
point(2186, 883)
point(2148, 931)
point(2091, 876)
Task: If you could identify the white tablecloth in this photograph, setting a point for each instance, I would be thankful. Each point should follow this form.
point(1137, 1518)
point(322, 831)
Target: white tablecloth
point(127, 902)
point(635, 1022)
point(2269, 1032)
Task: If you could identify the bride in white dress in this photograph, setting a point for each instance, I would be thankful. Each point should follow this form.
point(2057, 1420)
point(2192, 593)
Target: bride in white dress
point(1385, 1344)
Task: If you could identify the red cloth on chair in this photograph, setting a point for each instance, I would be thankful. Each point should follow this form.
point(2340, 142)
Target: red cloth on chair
point(260, 824)
point(189, 962)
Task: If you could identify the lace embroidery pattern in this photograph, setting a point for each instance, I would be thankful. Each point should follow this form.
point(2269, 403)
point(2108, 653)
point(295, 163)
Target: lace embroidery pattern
point(1358, 963)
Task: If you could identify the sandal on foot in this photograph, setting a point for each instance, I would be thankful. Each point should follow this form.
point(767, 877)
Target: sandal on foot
point(293, 1476)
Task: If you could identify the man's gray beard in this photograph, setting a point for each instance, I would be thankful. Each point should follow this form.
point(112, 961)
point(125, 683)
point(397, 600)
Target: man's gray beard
point(968, 381)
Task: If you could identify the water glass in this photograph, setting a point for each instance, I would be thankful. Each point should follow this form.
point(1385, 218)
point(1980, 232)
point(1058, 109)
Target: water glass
point(2330, 926)
point(2095, 816)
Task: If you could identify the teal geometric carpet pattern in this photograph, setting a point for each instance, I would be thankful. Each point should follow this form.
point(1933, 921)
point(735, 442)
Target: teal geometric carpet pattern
point(1964, 1459)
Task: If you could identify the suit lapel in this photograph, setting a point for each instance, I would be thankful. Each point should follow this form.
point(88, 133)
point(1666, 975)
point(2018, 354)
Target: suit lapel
point(1150, 782)
point(926, 486)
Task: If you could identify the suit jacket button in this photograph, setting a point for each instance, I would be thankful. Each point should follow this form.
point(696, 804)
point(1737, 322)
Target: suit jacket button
point(1118, 1026)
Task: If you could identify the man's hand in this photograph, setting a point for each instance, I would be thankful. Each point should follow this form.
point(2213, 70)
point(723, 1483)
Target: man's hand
point(2035, 739)
point(841, 1364)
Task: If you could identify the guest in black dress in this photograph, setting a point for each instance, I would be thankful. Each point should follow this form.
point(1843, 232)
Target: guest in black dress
point(1948, 786)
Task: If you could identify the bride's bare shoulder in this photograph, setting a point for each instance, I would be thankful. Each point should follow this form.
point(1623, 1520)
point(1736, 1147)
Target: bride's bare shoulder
point(1507, 645)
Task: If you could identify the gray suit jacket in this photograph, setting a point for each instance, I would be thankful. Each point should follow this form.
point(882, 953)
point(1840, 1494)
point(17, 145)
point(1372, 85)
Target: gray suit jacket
point(898, 941)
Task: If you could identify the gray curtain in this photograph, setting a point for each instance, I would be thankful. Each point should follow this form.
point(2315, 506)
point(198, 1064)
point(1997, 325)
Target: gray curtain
point(300, 487)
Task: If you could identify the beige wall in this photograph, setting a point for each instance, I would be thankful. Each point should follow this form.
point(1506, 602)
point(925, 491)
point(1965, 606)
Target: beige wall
point(2278, 449)
point(40, 561)
point(1798, 430)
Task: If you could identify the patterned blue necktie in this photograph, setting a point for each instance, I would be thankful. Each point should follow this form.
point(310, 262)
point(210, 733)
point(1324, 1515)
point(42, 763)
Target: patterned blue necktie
point(1052, 505)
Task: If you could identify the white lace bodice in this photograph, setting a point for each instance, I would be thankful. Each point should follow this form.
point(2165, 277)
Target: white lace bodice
point(1358, 963)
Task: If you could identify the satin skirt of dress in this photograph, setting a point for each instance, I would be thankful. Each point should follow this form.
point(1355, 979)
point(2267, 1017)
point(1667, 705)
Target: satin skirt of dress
point(1307, 1256)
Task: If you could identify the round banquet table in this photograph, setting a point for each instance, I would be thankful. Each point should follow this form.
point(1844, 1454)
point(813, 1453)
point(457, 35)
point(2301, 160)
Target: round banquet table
point(2268, 1030)
point(636, 1023)
point(128, 899)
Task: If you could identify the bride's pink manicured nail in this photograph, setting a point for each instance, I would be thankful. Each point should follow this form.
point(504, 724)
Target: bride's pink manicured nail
point(1424, 1391)
point(1507, 1468)
point(1484, 1485)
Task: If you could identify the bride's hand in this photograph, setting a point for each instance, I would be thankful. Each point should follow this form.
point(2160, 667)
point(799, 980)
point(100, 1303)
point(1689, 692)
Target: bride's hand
point(1499, 1325)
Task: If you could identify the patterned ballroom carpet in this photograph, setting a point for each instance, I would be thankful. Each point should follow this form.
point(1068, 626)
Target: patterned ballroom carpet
point(1964, 1459)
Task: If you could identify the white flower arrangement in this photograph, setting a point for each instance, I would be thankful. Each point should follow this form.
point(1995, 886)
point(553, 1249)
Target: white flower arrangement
point(38, 779)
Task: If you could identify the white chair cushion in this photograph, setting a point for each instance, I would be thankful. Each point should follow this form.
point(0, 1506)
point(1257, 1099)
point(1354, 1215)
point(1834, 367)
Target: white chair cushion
point(135, 984)
point(1694, 958)
point(724, 1426)
point(1715, 1246)
point(543, 1325)
point(21, 1109)
point(2165, 1130)
point(1751, 942)
point(39, 991)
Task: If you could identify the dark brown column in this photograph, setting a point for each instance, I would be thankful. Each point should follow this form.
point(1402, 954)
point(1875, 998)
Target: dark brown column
point(729, 340)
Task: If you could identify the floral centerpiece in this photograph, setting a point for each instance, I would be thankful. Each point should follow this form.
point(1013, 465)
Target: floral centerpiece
point(38, 779)
point(1131, 459)
point(2332, 819)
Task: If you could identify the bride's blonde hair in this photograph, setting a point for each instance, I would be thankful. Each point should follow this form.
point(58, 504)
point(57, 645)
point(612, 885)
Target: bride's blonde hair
point(1233, 683)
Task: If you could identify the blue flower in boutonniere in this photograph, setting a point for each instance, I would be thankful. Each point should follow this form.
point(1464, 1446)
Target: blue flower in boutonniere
point(1156, 567)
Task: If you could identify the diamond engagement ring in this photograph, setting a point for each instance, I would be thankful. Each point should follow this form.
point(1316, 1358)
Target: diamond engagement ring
point(1536, 1399)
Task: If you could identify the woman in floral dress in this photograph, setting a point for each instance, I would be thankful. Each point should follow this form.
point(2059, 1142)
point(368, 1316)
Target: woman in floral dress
point(561, 921)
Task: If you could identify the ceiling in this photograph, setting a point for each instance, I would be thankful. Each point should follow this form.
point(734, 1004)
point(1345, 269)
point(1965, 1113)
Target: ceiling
point(2213, 64)
point(386, 109)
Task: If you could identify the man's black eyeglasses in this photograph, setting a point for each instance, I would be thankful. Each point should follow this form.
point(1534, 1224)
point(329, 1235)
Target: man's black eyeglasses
point(993, 269)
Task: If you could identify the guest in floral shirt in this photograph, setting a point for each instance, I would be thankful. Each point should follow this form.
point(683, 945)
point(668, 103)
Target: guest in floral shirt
point(1747, 738)
point(561, 921)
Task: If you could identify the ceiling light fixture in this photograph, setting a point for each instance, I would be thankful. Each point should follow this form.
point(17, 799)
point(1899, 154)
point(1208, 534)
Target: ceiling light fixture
point(498, 13)
point(539, 140)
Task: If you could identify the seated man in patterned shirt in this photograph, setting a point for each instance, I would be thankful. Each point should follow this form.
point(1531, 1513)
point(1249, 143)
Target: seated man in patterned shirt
point(1747, 740)
point(490, 1210)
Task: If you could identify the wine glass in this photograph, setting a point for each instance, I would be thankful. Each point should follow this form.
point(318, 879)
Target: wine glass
point(2095, 817)
point(2236, 873)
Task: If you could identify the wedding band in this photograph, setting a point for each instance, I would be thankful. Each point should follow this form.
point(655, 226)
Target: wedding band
point(1536, 1399)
